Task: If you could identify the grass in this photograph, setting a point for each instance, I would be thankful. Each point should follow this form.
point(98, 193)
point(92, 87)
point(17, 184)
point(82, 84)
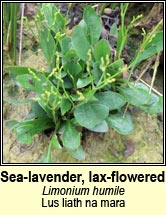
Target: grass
point(10, 18)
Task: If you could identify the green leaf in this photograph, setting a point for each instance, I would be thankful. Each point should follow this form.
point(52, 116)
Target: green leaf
point(71, 65)
point(155, 46)
point(80, 42)
point(26, 81)
point(41, 87)
point(19, 70)
point(122, 125)
point(11, 123)
point(96, 72)
point(30, 115)
point(102, 48)
point(142, 86)
point(75, 97)
point(66, 45)
point(72, 68)
point(114, 30)
point(111, 99)
point(155, 107)
point(55, 142)
point(38, 110)
point(101, 127)
point(71, 57)
point(90, 114)
point(78, 153)
point(53, 17)
point(27, 129)
point(94, 24)
point(70, 137)
point(135, 96)
point(83, 82)
point(155, 104)
point(83, 25)
point(153, 99)
point(65, 106)
point(47, 156)
point(116, 65)
point(47, 44)
point(13, 101)
point(23, 134)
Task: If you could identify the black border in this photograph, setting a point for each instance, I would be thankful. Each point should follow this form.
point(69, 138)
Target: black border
point(80, 164)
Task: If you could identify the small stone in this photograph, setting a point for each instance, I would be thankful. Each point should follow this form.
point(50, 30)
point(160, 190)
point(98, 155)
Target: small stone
point(107, 11)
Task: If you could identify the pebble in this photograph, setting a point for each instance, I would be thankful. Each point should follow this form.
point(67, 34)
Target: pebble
point(107, 11)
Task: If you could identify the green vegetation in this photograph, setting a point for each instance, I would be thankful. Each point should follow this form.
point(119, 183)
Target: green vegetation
point(84, 84)
point(10, 13)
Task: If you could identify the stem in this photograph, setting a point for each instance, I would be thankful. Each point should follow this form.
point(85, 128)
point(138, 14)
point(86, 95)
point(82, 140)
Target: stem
point(145, 42)
point(66, 94)
point(143, 72)
point(122, 35)
point(21, 29)
point(5, 22)
point(154, 90)
point(14, 32)
point(124, 114)
point(155, 71)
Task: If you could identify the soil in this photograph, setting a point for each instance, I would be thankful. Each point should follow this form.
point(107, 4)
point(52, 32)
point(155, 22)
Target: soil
point(145, 145)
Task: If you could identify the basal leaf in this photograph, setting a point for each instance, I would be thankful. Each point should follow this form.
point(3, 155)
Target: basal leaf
point(41, 87)
point(71, 57)
point(94, 24)
point(135, 96)
point(71, 64)
point(26, 81)
point(96, 72)
point(72, 68)
point(65, 44)
point(142, 86)
point(114, 30)
point(47, 156)
point(23, 134)
point(115, 66)
point(122, 125)
point(155, 46)
point(90, 114)
point(102, 48)
point(65, 106)
point(153, 99)
point(47, 44)
point(27, 129)
point(155, 103)
point(101, 127)
point(111, 99)
point(53, 17)
point(80, 42)
point(11, 123)
point(83, 82)
point(38, 110)
point(19, 70)
point(55, 142)
point(155, 107)
point(78, 153)
point(71, 137)
point(83, 25)
point(14, 101)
